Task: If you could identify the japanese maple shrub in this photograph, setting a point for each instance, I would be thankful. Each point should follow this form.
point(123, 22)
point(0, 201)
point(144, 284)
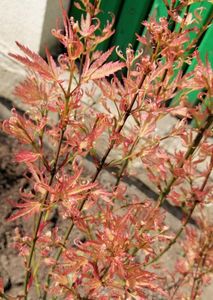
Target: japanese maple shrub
point(106, 245)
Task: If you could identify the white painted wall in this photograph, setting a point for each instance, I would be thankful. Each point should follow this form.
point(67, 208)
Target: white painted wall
point(29, 22)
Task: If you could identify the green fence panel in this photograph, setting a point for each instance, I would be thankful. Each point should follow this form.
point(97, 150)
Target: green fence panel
point(206, 9)
point(158, 10)
point(205, 50)
point(74, 12)
point(205, 46)
point(129, 22)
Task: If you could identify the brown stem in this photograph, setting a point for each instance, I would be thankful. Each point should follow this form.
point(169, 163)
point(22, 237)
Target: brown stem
point(125, 164)
point(100, 167)
point(103, 160)
point(186, 220)
point(175, 238)
point(207, 124)
point(38, 222)
point(177, 285)
point(197, 279)
point(53, 172)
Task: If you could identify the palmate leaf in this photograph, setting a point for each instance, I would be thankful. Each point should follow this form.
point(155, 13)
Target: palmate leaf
point(26, 156)
point(107, 69)
point(98, 69)
point(31, 91)
point(27, 208)
point(20, 127)
point(99, 61)
point(35, 62)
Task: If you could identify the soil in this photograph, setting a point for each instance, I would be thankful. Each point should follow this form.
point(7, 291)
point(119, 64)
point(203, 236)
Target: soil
point(11, 179)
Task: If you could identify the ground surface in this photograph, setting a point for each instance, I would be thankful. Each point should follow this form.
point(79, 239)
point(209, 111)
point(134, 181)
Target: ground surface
point(11, 266)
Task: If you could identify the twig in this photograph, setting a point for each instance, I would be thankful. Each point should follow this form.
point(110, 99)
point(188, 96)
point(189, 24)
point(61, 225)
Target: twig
point(164, 194)
point(53, 172)
point(186, 220)
point(100, 167)
point(38, 222)
point(189, 153)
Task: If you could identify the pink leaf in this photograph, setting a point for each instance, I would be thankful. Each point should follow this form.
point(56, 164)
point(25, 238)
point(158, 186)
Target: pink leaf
point(27, 208)
point(30, 282)
point(26, 156)
point(142, 39)
point(101, 59)
point(1, 285)
point(34, 61)
point(106, 70)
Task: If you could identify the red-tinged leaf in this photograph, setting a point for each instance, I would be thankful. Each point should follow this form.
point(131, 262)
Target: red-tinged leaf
point(182, 266)
point(31, 91)
point(99, 62)
point(50, 261)
point(1, 285)
point(19, 127)
point(78, 6)
point(30, 281)
point(36, 173)
point(124, 220)
point(34, 61)
point(142, 39)
point(27, 208)
point(34, 56)
point(106, 70)
point(86, 23)
point(41, 228)
point(87, 28)
point(34, 66)
point(86, 65)
point(181, 112)
point(98, 69)
point(79, 189)
point(101, 194)
point(66, 22)
point(26, 156)
point(24, 60)
point(52, 63)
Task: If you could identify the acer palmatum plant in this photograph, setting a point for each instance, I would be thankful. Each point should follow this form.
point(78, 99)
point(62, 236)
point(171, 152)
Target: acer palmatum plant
point(121, 239)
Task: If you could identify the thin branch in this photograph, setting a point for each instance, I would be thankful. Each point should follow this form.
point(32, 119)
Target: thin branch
point(38, 222)
point(173, 241)
point(53, 172)
point(207, 124)
point(100, 167)
point(186, 220)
